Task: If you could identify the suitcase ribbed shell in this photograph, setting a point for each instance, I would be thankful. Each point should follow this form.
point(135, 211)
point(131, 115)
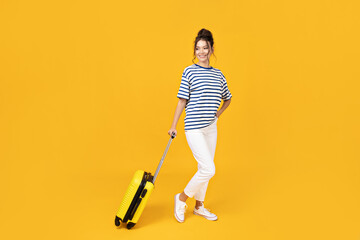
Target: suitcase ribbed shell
point(130, 193)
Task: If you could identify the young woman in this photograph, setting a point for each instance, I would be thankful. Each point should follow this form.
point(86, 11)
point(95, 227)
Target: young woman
point(201, 90)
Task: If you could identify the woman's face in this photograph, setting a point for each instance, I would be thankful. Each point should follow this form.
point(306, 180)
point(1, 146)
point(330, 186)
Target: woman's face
point(202, 51)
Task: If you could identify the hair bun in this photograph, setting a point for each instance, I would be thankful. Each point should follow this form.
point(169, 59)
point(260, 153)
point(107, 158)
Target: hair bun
point(204, 33)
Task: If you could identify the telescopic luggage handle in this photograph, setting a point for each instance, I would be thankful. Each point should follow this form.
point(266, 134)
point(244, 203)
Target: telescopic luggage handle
point(163, 157)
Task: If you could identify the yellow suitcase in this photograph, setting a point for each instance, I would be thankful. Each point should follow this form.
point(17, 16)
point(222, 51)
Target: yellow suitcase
point(137, 194)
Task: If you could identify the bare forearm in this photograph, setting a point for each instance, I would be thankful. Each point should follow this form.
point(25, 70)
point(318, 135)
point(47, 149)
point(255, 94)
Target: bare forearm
point(223, 107)
point(179, 109)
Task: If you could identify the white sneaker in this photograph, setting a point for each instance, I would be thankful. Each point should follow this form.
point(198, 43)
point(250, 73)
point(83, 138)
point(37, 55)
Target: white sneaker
point(203, 212)
point(180, 208)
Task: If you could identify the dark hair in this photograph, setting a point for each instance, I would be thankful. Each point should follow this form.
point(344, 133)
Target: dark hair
point(205, 35)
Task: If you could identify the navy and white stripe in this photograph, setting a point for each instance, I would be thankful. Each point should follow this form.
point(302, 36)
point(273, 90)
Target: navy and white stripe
point(203, 88)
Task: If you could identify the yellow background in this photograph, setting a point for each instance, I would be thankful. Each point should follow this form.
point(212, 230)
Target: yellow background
point(88, 92)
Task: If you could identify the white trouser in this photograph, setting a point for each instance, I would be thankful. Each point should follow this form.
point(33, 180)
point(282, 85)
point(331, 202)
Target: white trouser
point(202, 143)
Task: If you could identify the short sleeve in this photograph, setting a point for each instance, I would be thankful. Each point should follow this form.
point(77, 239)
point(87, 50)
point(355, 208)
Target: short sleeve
point(225, 93)
point(184, 90)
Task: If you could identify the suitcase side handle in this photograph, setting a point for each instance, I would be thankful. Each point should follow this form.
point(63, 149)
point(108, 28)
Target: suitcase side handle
point(163, 157)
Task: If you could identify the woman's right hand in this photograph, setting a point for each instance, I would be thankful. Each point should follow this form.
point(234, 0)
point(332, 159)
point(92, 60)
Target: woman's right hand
point(171, 131)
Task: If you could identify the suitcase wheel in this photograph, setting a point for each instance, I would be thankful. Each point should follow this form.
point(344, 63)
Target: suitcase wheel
point(117, 221)
point(130, 225)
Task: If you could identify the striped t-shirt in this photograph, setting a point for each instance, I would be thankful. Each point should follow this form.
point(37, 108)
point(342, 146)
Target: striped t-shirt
point(203, 88)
